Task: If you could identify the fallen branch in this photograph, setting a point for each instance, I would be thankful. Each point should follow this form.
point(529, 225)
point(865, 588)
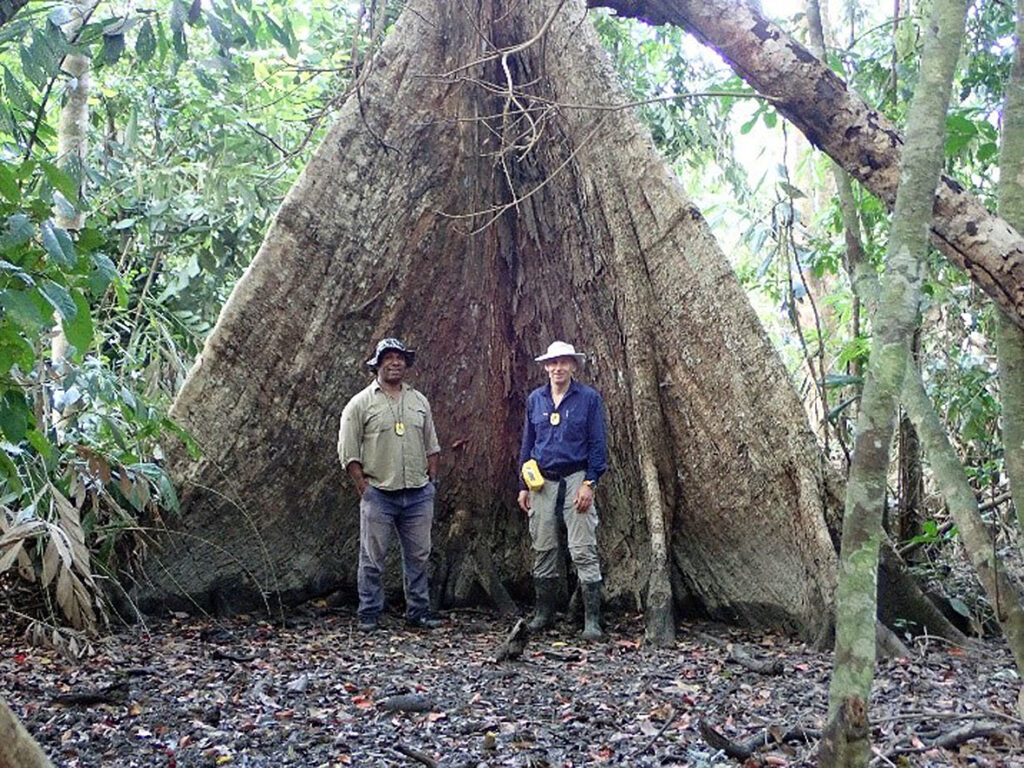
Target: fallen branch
point(744, 750)
point(415, 754)
point(717, 740)
point(240, 658)
point(115, 693)
point(761, 666)
point(954, 738)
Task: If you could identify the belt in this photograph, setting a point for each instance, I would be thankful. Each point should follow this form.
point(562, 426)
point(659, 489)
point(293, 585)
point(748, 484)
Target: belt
point(563, 471)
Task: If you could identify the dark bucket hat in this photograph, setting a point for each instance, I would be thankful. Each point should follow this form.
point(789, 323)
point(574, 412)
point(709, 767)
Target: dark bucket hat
point(385, 345)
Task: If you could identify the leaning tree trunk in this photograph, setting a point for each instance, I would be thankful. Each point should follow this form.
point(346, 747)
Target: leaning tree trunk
point(846, 741)
point(860, 139)
point(479, 205)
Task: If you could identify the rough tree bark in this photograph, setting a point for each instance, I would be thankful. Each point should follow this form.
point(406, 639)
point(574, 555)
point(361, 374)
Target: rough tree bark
point(479, 222)
point(893, 322)
point(17, 747)
point(1009, 337)
point(836, 120)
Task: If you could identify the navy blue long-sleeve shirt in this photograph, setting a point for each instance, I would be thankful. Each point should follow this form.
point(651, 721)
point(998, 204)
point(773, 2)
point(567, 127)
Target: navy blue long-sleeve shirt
point(577, 441)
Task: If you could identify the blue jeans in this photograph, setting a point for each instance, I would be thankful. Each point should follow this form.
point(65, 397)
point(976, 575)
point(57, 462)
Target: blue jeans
point(410, 512)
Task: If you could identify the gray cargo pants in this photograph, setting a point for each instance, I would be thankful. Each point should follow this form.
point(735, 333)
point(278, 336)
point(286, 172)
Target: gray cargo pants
point(581, 529)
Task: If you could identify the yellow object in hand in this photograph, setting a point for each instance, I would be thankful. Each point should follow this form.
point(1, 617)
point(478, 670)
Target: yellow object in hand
point(531, 474)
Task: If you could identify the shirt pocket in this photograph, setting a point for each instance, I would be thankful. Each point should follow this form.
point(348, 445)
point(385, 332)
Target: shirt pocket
point(416, 417)
point(377, 421)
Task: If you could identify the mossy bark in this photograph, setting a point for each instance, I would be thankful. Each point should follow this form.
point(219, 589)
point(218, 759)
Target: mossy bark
point(1010, 337)
point(893, 325)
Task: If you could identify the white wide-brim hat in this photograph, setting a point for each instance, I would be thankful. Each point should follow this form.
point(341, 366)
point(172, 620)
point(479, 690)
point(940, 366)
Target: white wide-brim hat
point(562, 349)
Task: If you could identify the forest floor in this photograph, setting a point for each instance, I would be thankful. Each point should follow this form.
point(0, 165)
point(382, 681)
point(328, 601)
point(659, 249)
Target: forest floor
point(309, 690)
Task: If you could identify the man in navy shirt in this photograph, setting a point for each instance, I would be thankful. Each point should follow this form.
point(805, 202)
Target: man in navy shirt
point(564, 432)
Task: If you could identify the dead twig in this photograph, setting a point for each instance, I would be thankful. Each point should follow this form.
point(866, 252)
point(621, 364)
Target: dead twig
point(953, 739)
point(415, 754)
point(664, 727)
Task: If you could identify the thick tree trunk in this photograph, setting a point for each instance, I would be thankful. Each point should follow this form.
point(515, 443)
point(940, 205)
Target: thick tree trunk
point(858, 138)
point(17, 747)
point(1009, 337)
point(893, 325)
point(397, 227)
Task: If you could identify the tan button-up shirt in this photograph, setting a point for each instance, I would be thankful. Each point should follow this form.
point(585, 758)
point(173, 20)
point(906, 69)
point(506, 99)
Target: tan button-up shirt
point(368, 435)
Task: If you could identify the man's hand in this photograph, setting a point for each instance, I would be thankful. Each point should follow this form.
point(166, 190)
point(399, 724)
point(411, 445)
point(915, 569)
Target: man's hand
point(355, 472)
point(524, 501)
point(584, 498)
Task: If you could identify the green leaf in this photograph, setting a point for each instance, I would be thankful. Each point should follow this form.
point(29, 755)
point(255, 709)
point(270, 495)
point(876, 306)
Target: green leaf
point(23, 310)
point(113, 47)
point(20, 230)
point(38, 441)
point(145, 43)
point(14, 416)
point(987, 151)
point(57, 243)
point(790, 190)
point(11, 471)
point(104, 272)
point(168, 497)
point(16, 94)
point(60, 180)
point(63, 205)
point(9, 185)
point(14, 349)
point(32, 67)
point(59, 298)
point(79, 329)
point(959, 606)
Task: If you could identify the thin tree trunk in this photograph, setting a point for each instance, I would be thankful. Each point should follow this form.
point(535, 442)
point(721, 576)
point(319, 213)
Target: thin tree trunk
point(893, 325)
point(407, 222)
point(17, 747)
point(72, 146)
point(854, 260)
point(858, 138)
point(1002, 592)
point(1009, 337)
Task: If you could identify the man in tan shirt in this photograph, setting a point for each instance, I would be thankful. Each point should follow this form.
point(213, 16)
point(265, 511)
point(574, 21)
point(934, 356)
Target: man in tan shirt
point(388, 446)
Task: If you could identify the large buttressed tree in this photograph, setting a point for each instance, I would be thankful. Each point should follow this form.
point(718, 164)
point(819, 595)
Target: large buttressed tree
point(482, 193)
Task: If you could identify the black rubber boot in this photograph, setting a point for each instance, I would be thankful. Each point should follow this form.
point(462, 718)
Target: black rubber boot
point(544, 612)
point(592, 611)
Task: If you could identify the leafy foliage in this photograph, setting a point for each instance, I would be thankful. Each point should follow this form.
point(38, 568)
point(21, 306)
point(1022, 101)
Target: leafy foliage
point(199, 118)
